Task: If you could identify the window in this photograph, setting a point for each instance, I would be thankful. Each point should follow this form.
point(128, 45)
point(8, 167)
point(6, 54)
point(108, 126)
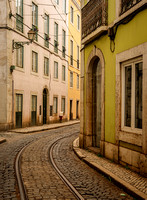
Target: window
point(18, 110)
point(126, 5)
point(46, 31)
point(78, 22)
point(64, 6)
point(34, 110)
point(57, 2)
point(56, 70)
point(132, 95)
point(19, 57)
point(78, 49)
point(63, 42)
point(56, 37)
point(71, 79)
point(71, 14)
point(77, 81)
point(46, 66)
point(34, 61)
point(55, 105)
point(71, 52)
point(63, 73)
point(35, 19)
point(63, 104)
point(19, 15)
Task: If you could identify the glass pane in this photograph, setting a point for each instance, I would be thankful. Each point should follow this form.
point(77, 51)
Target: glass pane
point(138, 95)
point(128, 80)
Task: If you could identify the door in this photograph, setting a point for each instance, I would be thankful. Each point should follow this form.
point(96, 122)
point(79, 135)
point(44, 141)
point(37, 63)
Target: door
point(96, 87)
point(18, 112)
point(34, 110)
point(77, 110)
point(71, 114)
point(44, 106)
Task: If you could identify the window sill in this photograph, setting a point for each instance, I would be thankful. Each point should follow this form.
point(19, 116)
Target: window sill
point(20, 69)
point(46, 76)
point(130, 137)
point(35, 74)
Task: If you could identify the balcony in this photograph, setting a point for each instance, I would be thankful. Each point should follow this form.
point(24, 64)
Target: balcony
point(128, 4)
point(94, 15)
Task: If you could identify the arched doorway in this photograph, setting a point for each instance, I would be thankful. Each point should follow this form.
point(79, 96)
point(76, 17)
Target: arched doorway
point(96, 102)
point(44, 106)
point(93, 110)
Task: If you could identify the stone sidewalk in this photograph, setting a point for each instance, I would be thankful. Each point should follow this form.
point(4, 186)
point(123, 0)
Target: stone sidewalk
point(45, 127)
point(131, 181)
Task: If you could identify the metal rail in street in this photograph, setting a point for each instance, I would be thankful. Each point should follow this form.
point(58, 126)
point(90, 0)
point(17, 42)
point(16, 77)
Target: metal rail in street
point(61, 175)
point(21, 186)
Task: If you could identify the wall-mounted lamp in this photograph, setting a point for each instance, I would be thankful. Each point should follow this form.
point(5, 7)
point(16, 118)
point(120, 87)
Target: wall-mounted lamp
point(31, 37)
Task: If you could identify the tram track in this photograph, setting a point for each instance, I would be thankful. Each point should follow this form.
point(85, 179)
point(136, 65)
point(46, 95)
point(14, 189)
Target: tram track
point(21, 186)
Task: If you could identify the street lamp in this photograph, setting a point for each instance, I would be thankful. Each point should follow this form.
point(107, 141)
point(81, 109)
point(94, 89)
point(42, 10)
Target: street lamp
point(31, 37)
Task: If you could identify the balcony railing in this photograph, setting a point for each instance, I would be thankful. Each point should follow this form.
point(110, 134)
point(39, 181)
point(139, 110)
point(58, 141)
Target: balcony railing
point(94, 15)
point(127, 4)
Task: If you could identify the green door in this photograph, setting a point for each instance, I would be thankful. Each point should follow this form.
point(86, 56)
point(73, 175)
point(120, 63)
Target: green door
point(34, 110)
point(18, 113)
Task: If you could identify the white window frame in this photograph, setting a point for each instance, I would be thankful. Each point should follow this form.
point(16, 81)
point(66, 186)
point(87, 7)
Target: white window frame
point(19, 57)
point(123, 66)
point(63, 106)
point(34, 61)
point(78, 81)
point(55, 70)
point(64, 6)
point(46, 66)
point(63, 73)
point(71, 15)
point(71, 79)
point(55, 105)
point(78, 22)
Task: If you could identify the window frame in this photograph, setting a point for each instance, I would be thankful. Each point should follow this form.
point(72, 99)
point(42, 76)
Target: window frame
point(125, 64)
point(56, 32)
point(19, 16)
point(18, 58)
point(36, 62)
point(71, 14)
point(55, 109)
point(46, 68)
point(78, 81)
point(35, 19)
point(71, 79)
point(46, 30)
point(63, 73)
point(71, 52)
point(63, 110)
point(55, 68)
point(78, 22)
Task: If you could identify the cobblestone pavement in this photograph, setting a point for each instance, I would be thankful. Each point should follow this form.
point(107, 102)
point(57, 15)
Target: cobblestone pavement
point(90, 184)
point(40, 179)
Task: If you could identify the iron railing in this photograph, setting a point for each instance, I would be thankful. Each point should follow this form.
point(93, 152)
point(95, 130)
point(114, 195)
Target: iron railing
point(127, 4)
point(94, 15)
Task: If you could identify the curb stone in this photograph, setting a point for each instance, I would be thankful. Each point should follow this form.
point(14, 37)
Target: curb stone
point(83, 155)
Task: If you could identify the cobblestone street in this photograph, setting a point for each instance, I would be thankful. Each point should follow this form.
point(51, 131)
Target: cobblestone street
point(39, 177)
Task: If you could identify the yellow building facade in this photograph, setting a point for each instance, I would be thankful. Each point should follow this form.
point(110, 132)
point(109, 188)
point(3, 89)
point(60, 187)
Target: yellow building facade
point(74, 46)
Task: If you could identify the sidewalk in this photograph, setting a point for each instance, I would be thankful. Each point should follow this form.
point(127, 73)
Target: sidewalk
point(125, 178)
point(45, 127)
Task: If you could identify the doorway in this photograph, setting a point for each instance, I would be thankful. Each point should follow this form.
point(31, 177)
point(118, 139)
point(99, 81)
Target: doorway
point(77, 110)
point(44, 106)
point(18, 113)
point(96, 102)
point(71, 114)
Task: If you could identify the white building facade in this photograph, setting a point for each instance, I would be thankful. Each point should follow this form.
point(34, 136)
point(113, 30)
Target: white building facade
point(33, 78)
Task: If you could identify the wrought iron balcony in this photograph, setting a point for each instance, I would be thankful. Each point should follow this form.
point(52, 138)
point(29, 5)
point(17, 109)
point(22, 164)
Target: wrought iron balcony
point(127, 4)
point(94, 15)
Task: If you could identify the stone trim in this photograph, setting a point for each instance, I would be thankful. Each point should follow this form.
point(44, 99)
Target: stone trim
point(95, 53)
point(135, 52)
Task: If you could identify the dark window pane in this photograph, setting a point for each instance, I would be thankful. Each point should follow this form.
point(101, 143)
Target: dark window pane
point(138, 95)
point(128, 77)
